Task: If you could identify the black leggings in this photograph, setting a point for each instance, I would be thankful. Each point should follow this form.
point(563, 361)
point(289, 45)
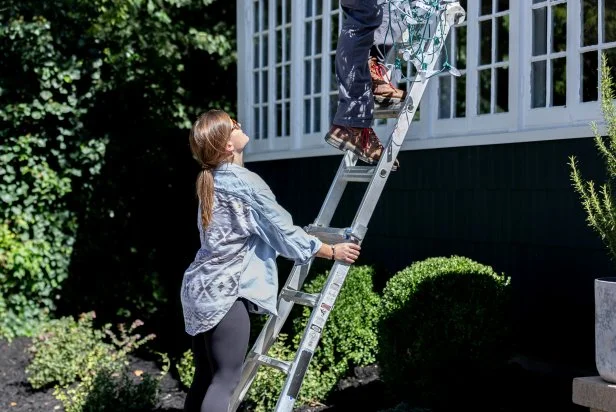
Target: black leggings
point(219, 354)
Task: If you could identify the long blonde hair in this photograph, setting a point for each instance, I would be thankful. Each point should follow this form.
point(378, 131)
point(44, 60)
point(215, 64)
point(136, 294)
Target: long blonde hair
point(208, 139)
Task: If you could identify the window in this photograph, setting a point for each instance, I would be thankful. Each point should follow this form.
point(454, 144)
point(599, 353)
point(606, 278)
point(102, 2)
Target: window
point(530, 70)
point(313, 65)
point(549, 58)
point(598, 35)
point(260, 69)
point(283, 67)
point(493, 56)
point(452, 90)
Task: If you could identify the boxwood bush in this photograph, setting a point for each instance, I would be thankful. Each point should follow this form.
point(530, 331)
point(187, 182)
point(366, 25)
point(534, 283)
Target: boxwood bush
point(445, 322)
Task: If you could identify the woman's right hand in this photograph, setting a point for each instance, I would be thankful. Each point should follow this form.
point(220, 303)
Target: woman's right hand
point(346, 252)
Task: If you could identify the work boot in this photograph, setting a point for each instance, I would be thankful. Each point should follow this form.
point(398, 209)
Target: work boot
point(360, 140)
point(386, 96)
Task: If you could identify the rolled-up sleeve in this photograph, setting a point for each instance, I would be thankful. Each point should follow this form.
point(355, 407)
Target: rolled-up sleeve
point(275, 226)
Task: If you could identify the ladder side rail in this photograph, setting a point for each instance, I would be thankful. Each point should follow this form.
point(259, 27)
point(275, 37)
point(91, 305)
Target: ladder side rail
point(311, 337)
point(269, 333)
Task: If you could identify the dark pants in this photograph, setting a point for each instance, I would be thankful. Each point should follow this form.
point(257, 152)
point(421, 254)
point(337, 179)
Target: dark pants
point(219, 355)
point(355, 101)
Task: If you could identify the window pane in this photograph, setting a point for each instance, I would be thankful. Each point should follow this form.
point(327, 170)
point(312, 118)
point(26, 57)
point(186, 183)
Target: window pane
point(307, 116)
point(255, 18)
point(460, 50)
point(460, 93)
point(559, 28)
point(502, 90)
point(540, 23)
point(502, 38)
point(559, 82)
point(288, 11)
point(444, 101)
point(333, 78)
point(318, 35)
point(279, 119)
point(265, 15)
point(287, 41)
point(485, 42)
point(257, 123)
point(287, 81)
point(609, 22)
point(279, 45)
point(265, 51)
point(256, 53)
point(255, 82)
point(279, 84)
point(538, 84)
point(264, 121)
point(502, 5)
point(309, 8)
point(484, 99)
point(316, 126)
point(486, 7)
point(287, 120)
point(308, 47)
point(590, 76)
point(265, 89)
point(317, 76)
point(307, 77)
point(590, 19)
point(279, 12)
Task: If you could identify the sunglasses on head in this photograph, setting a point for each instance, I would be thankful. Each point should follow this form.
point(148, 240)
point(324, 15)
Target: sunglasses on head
point(236, 125)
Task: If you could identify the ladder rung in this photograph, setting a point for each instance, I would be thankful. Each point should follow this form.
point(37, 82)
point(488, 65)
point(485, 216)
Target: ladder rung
point(303, 298)
point(391, 113)
point(330, 235)
point(386, 113)
point(265, 360)
point(358, 173)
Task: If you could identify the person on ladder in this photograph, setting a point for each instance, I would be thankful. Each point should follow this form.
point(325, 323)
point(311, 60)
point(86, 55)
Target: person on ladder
point(242, 230)
point(362, 79)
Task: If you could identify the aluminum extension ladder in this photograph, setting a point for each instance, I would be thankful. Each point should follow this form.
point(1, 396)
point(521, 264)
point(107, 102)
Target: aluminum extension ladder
point(450, 14)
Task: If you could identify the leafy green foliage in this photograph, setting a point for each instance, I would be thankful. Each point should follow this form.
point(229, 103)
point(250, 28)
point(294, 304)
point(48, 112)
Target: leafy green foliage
point(186, 368)
point(112, 391)
point(598, 202)
point(66, 350)
point(78, 75)
point(445, 321)
point(350, 336)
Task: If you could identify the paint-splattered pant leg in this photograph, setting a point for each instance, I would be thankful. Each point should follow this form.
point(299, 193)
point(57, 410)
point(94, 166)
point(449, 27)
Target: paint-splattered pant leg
point(355, 101)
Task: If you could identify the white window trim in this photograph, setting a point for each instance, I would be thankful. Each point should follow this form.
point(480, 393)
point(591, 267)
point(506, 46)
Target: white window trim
point(520, 124)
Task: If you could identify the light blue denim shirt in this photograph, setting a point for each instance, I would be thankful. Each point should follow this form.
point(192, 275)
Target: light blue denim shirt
point(238, 250)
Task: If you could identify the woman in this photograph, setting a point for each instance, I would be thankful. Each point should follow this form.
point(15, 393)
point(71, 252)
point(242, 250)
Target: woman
point(242, 230)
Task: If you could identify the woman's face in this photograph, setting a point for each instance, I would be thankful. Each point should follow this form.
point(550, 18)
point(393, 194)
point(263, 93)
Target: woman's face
point(238, 138)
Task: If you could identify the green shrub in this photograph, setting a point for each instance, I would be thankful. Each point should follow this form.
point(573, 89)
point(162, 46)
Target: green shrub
point(111, 391)
point(350, 335)
point(63, 349)
point(186, 368)
point(444, 321)
point(66, 350)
